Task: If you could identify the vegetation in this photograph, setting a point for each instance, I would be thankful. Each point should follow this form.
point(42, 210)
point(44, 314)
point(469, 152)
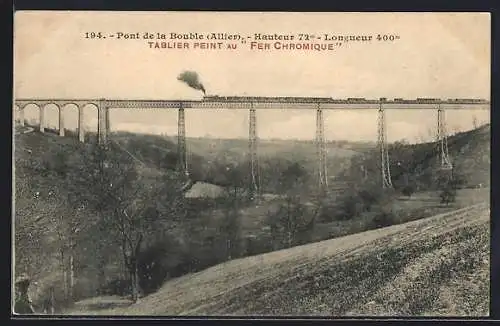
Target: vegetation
point(433, 266)
point(115, 221)
point(133, 212)
point(408, 190)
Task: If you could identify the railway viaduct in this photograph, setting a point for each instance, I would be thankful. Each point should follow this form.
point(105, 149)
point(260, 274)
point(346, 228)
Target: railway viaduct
point(261, 103)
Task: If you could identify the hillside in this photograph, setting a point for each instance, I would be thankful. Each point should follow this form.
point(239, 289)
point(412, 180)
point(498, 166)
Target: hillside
point(292, 149)
point(39, 160)
point(41, 207)
point(208, 158)
point(433, 266)
point(469, 153)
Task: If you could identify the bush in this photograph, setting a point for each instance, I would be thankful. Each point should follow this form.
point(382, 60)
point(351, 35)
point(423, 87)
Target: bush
point(448, 195)
point(257, 246)
point(383, 219)
point(449, 189)
point(408, 190)
point(291, 225)
point(369, 197)
point(328, 212)
point(358, 200)
point(163, 259)
point(350, 207)
point(117, 286)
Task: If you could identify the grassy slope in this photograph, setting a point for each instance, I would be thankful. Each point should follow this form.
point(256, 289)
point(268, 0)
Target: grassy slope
point(433, 266)
point(469, 153)
point(472, 154)
point(419, 205)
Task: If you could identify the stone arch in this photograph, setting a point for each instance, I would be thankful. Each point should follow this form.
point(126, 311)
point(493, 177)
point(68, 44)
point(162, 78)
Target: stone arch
point(31, 113)
point(89, 114)
point(17, 114)
point(70, 115)
point(51, 117)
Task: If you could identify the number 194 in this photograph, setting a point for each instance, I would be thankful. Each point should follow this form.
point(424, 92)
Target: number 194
point(93, 35)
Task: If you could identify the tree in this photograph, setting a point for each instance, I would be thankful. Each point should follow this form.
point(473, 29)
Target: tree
point(68, 226)
point(277, 174)
point(230, 224)
point(292, 220)
point(448, 193)
point(131, 209)
point(232, 201)
point(293, 179)
point(290, 224)
point(48, 206)
point(383, 218)
point(90, 183)
point(448, 196)
point(29, 209)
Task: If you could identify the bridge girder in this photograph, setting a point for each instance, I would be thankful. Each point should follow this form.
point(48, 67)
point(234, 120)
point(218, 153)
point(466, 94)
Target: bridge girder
point(262, 103)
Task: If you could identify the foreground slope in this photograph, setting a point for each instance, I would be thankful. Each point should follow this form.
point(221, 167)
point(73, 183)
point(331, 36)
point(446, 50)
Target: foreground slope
point(433, 266)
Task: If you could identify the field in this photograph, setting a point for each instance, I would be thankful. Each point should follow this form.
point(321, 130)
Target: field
point(419, 205)
point(433, 266)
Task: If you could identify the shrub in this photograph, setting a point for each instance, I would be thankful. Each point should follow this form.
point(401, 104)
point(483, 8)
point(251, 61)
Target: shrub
point(160, 261)
point(408, 190)
point(256, 246)
point(364, 199)
point(329, 212)
point(448, 195)
point(116, 286)
point(383, 219)
point(369, 197)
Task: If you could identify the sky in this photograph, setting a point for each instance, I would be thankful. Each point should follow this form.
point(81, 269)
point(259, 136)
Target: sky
point(437, 55)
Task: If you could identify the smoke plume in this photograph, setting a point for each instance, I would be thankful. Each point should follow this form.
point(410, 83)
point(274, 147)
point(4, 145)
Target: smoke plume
point(191, 78)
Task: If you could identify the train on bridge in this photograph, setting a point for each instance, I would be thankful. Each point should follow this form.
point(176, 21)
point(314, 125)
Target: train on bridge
point(350, 100)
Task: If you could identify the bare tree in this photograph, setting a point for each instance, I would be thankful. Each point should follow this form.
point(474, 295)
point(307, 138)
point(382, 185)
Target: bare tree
point(28, 237)
point(292, 219)
point(130, 207)
point(234, 196)
point(230, 225)
point(45, 211)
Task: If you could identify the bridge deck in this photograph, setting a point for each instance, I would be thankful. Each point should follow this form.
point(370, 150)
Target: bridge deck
point(269, 103)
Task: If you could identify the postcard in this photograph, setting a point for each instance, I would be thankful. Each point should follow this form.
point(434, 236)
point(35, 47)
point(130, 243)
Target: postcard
point(251, 164)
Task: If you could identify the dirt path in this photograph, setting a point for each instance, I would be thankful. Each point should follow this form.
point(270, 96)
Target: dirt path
point(27, 131)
